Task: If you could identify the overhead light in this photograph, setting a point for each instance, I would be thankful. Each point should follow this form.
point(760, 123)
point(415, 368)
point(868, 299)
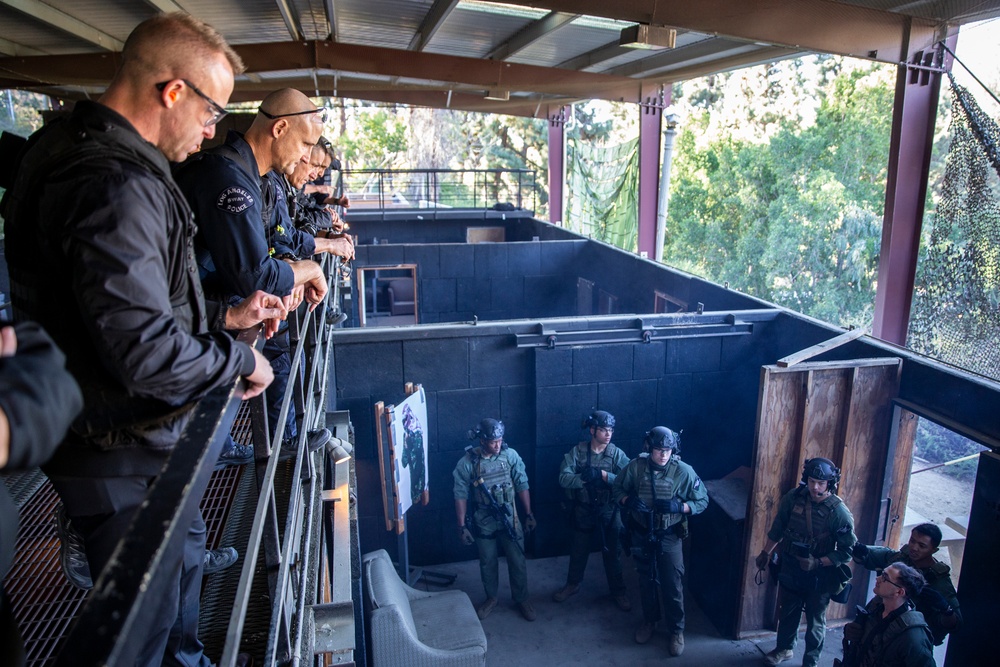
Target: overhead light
point(645, 36)
point(498, 95)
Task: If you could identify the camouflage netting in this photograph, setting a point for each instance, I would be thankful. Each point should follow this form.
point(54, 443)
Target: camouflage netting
point(956, 305)
point(603, 183)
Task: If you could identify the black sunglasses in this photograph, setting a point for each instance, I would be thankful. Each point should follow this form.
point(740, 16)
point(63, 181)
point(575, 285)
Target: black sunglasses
point(218, 112)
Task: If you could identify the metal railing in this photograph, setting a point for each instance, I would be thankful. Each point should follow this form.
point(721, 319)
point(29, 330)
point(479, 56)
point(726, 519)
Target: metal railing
point(437, 189)
point(109, 628)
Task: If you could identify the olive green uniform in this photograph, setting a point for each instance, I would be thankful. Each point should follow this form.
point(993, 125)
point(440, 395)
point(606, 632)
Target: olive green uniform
point(505, 476)
point(593, 508)
point(656, 545)
point(832, 536)
point(902, 639)
point(937, 575)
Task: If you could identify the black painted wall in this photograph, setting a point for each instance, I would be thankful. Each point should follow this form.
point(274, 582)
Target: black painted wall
point(542, 395)
point(706, 387)
point(489, 281)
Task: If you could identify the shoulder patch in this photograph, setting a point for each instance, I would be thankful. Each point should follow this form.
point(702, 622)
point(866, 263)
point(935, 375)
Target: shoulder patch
point(235, 200)
point(697, 482)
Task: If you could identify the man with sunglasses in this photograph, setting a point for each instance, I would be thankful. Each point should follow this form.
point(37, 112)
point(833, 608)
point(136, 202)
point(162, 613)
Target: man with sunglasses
point(889, 632)
point(99, 253)
point(241, 247)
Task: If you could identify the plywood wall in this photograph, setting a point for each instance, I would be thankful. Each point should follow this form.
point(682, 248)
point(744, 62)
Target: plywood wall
point(838, 410)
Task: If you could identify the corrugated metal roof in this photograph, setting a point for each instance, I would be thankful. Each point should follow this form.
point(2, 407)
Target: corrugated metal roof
point(373, 38)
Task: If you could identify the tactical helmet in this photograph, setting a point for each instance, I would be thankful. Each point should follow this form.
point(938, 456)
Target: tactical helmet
point(600, 419)
point(821, 469)
point(488, 429)
point(662, 437)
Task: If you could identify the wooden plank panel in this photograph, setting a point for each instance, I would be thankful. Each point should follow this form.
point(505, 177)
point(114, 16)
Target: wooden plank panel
point(841, 411)
point(897, 480)
point(863, 461)
point(777, 452)
point(827, 397)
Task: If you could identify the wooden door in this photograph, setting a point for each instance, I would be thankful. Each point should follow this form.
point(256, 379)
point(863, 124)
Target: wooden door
point(842, 411)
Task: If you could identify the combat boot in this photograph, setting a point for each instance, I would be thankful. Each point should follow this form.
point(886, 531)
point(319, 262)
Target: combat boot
point(565, 592)
point(623, 602)
point(677, 644)
point(777, 656)
point(644, 633)
point(526, 610)
point(483, 610)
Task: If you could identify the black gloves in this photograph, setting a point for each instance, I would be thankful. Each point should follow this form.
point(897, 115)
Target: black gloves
point(634, 503)
point(860, 552)
point(762, 560)
point(672, 506)
point(589, 475)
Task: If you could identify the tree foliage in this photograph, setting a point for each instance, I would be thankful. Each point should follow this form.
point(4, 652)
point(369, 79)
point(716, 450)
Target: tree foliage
point(786, 207)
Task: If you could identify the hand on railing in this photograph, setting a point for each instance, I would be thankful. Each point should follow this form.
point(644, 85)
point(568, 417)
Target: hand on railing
point(341, 246)
point(259, 307)
point(309, 274)
point(261, 377)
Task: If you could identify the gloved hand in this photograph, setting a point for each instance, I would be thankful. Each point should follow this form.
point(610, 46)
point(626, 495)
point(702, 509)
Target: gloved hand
point(763, 558)
point(672, 506)
point(934, 601)
point(529, 523)
point(853, 631)
point(589, 475)
point(635, 504)
point(860, 552)
point(808, 563)
point(465, 535)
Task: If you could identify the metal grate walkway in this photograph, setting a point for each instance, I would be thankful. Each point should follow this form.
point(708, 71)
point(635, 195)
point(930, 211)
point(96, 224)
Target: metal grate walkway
point(45, 603)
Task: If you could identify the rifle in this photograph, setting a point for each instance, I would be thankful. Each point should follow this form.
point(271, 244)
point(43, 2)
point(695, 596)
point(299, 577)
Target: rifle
point(500, 512)
point(650, 548)
point(595, 508)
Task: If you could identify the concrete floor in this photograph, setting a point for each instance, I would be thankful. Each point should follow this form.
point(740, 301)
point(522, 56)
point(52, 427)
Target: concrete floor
point(588, 629)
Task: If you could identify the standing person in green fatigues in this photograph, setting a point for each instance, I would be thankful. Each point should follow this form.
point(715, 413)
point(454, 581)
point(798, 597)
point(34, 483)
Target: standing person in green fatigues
point(938, 601)
point(587, 473)
point(494, 471)
point(816, 532)
point(657, 492)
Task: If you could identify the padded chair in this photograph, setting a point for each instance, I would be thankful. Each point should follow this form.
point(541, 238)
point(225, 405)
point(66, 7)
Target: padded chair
point(401, 301)
point(412, 628)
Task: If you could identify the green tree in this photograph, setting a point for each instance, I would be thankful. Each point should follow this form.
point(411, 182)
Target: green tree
point(786, 208)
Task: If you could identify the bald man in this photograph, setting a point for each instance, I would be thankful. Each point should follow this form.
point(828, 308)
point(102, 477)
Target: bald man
point(98, 244)
point(238, 244)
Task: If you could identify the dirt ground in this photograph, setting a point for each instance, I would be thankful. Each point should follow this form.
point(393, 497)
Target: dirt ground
point(937, 496)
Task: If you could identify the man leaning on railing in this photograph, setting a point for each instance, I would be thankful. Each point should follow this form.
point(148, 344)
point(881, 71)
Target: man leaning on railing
point(99, 249)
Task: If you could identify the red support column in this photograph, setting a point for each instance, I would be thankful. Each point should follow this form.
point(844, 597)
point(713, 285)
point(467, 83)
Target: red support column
point(913, 116)
point(557, 161)
point(650, 113)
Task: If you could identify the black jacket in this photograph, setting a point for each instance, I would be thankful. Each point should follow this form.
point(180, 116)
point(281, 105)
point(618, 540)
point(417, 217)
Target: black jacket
point(40, 399)
point(235, 246)
point(99, 246)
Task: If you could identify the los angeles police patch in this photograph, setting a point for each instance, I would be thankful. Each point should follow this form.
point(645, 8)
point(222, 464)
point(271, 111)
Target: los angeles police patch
point(235, 200)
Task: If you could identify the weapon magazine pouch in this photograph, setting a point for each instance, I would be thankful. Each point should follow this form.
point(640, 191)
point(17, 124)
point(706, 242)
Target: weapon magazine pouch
point(681, 528)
